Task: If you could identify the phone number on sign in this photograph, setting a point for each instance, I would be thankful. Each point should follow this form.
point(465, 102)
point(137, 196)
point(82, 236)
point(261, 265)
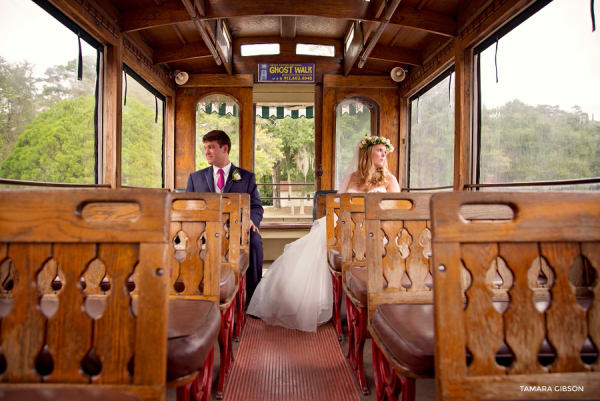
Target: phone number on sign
point(285, 78)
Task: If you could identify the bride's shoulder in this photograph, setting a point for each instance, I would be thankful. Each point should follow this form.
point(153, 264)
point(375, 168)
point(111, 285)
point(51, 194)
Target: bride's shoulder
point(392, 184)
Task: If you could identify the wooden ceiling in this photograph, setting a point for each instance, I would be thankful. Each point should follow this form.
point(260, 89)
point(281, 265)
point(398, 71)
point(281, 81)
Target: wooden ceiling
point(185, 34)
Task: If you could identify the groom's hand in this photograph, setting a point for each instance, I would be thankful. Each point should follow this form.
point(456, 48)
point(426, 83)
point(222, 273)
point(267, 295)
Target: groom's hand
point(253, 227)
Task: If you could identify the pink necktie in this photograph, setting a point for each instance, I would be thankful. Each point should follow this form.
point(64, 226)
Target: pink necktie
point(220, 180)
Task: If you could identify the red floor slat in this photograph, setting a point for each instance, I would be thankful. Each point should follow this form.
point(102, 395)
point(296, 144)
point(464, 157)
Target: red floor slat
point(274, 363)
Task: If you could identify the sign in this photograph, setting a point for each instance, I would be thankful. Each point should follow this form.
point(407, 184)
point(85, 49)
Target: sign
point(286, 72)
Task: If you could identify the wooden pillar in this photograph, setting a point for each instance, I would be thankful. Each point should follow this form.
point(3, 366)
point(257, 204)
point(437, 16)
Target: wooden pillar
point(246, 129)
point(389, 126)
point(403, 148)
point(112, 112)
point(328, 137)
point(463, 66)
point(318, 116)
point(185, 136)
point(169, 160)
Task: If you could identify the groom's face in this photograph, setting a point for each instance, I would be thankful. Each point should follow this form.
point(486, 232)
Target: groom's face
point(216, 155)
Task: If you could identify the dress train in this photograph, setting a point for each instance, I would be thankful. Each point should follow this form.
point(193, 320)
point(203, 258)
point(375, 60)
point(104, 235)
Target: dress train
point(296, 292)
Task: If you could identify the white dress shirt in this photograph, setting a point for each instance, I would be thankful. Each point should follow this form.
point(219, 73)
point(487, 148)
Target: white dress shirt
point(226, 170)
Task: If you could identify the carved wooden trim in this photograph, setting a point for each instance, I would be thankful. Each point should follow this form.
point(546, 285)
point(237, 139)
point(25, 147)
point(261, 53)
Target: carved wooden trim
point(440, 58)
point(146, 60)
point(100, 19)
point(483, 16)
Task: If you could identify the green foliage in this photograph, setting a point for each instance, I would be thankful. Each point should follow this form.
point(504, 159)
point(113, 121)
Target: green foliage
point(60, 82)
point(431, 162)
point(209, 122)
point(17, 109)
point(350, 129)
point(142, 146)
point(526, 143)
point(58, 146)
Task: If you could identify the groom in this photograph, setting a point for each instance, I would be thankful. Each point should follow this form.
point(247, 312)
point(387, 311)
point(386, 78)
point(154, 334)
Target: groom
point(224, 177)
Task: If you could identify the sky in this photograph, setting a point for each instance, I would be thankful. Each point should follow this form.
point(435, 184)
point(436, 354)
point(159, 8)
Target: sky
point(29, 33)
point(553, 58)
point(535, 61)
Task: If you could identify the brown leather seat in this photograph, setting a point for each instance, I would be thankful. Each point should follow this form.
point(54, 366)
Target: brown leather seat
point(356, 280)
point(335, 258)
point(66, 394)
point(192, 331)
point(407, 332)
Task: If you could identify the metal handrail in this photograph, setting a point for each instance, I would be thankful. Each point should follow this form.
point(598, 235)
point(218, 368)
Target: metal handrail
point(593, 180)
point(51, 184)
point(426, 189)
point(279, 183)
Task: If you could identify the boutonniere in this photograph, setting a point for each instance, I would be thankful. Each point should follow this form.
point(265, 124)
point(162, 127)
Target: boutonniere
point(236, 175)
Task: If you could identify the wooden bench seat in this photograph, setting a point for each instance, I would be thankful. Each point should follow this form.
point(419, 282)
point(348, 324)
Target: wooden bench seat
point(548, 334)
point(59, 345)
point(207, 283)
point(195, 319)
point(334, 257)
point(400, 299)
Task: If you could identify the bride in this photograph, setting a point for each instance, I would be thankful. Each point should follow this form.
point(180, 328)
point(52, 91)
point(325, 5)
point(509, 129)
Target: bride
point(296, 292)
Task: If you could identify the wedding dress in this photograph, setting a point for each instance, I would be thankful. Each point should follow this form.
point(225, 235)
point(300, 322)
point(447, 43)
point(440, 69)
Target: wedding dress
point(296, 292)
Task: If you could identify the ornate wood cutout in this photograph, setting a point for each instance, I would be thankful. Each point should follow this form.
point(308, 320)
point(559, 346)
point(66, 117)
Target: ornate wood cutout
point(523, 326)
point(564, 318)
point(539, 267)
point(417, 265)
point(465, 277)
point(28, 259)
point(482, 340)
point(358, 237)
point(46, 276)
point(191, 269)
point(120, 261)
point(70, 315)
point(425, 242)
point(591, 251)
point(393, 266)
point(93, 276)
point(403, 242)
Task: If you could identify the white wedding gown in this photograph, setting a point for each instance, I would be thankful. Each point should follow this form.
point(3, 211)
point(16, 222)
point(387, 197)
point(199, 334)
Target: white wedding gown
point(296, 292)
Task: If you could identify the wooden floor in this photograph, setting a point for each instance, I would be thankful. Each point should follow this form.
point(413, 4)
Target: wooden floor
point(425, 387)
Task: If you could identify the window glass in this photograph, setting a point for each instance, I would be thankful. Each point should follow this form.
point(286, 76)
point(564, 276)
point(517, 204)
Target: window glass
point(541, 120)
point(315, 50)
point(143, 133)
point(354, 117)
point(431, 150)
point(47, 115)
point(284, 156)
point(262, 49)
point(217, 112)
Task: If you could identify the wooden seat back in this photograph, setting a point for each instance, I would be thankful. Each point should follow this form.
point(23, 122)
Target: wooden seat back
point(563, 230)
point(42, 226)
point(196, 227)
point(231, 209)
point(352, 237)
point(245, 230)
point(332, 213)
point(398, 223)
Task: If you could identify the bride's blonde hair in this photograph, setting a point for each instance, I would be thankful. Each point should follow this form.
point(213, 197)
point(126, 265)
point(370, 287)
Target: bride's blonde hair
point(364, 175)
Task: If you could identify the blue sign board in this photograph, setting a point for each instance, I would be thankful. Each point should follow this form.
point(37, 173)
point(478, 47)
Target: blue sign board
point(286, 72)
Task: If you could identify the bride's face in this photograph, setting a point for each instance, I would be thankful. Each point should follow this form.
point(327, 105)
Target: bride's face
point(378, 155)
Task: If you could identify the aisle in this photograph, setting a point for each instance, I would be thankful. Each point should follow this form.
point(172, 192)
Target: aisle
point(274, 363)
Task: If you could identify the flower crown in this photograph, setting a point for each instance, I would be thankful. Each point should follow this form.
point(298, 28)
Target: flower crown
point(375, 140)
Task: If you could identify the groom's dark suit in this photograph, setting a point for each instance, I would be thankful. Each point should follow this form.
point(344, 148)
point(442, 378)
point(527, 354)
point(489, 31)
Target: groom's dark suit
point(203, 181)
